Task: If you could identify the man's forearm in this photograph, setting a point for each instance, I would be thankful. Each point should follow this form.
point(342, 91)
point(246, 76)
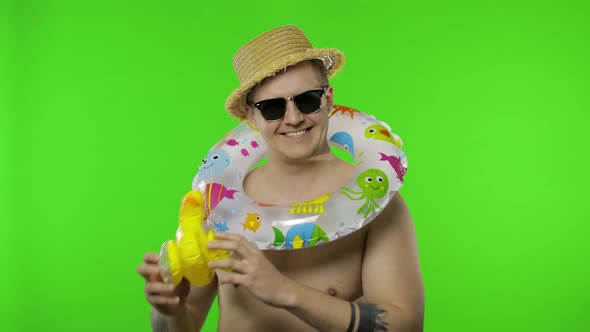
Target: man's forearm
point(328, 313)
point(180, 323)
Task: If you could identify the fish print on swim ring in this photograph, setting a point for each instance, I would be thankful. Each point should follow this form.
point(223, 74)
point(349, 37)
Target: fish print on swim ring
point(305, 235)
point(380, 165)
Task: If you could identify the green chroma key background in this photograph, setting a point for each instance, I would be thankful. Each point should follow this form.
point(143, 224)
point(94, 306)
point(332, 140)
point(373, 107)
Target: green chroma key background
point(107, 109)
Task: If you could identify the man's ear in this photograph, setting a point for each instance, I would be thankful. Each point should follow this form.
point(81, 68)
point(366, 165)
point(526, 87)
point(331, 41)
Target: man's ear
point(250, 116)
point(330, 96)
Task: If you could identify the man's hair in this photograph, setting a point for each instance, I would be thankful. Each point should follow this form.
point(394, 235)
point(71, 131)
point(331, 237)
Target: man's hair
point(320, 70)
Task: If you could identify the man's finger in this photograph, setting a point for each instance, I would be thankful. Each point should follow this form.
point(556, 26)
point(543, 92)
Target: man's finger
point(222, 244)
point(159, 288)
point(151, 258)
point(155, 299)
point(233, 264)
point(225, 277)
point(143, 271)
point(226, 236)
point(239, 246)
point(149, 272)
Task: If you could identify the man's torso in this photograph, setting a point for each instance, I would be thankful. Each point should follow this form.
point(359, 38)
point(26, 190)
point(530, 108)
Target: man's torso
point(333, 268)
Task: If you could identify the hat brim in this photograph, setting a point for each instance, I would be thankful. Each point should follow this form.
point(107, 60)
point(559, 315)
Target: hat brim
point(236, 105)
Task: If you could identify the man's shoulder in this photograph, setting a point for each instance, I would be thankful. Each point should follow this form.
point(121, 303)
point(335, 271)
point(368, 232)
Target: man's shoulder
point(391, 213)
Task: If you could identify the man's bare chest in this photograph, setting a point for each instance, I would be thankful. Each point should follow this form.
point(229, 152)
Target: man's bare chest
point(334, 268)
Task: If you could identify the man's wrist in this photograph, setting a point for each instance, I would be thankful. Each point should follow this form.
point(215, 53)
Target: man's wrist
point(292, 295)
point(180, 320)
point(178, 315)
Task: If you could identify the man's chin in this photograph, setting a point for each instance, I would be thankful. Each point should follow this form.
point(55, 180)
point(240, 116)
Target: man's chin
point(298, 155)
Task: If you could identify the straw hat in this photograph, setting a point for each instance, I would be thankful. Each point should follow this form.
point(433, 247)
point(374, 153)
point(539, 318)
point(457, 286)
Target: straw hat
point(270, 53)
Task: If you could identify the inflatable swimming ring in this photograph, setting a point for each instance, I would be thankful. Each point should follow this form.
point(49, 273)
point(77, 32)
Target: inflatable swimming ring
point(380, 168)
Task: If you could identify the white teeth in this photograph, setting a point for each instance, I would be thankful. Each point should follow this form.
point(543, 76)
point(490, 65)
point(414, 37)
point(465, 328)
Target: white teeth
point(296, 133)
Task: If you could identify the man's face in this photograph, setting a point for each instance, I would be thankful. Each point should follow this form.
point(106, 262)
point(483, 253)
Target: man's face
point(296, 136)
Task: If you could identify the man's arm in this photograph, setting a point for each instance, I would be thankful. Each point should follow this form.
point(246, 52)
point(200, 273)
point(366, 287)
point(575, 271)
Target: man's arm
point(196, 308)
point(392, 283)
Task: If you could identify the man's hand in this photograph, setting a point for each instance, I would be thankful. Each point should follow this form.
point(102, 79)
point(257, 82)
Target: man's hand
point(164, 297)
point(251, 269)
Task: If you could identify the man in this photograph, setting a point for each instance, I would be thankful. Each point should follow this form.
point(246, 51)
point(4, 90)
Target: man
point(368, 280)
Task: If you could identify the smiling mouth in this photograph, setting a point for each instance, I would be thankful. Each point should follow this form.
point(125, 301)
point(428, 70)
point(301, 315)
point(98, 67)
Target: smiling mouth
point(205, 167)
point(375, 188)
point(297, 133)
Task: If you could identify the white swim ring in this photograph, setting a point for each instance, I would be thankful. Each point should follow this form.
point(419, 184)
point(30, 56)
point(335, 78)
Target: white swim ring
point(380, 168)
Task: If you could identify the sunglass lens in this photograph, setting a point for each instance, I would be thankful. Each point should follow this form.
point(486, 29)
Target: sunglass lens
point(309, 101)
point(273, 109)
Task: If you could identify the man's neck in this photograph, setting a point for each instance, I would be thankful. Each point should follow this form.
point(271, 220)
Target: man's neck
point(292, 181)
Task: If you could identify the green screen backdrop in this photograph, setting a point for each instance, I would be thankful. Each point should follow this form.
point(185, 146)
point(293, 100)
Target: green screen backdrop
point(106, 109)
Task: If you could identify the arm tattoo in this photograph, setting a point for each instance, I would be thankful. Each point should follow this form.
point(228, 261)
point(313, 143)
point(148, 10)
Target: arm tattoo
point(371, 318)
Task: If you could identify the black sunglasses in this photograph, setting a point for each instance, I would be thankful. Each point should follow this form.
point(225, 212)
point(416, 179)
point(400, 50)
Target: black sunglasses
point(307, 102)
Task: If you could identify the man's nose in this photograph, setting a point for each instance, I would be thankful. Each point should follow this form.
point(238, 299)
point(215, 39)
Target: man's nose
point(292, 115)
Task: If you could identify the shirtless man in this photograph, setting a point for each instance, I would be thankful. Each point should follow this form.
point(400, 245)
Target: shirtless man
point(366, 281)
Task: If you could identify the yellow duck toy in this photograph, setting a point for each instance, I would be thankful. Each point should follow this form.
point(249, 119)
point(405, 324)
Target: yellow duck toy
point(188, 255)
